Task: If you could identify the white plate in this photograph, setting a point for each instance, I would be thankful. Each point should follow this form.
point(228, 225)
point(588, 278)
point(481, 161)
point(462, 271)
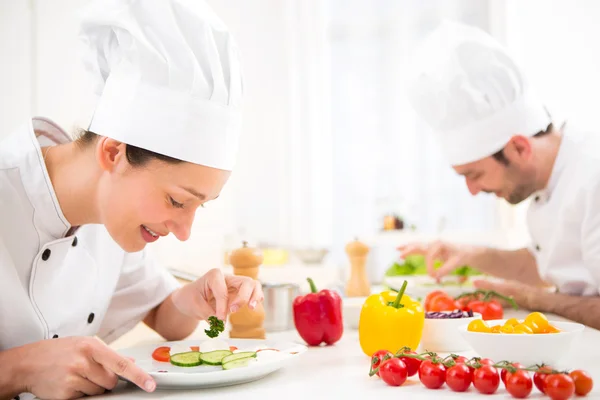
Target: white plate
point(213, 376)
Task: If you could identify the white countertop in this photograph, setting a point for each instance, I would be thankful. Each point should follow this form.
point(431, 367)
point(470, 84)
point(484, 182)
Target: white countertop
point(341, 370)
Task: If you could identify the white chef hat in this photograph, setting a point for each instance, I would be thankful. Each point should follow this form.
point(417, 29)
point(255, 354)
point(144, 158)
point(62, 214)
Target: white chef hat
point(168, 77)
point(472, 93)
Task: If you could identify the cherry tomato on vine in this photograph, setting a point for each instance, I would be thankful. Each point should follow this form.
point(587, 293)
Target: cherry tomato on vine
point(505, 374)
point(432, 375)
point(539, 378)
point(519, 384)
point(380, 355)
point(488, 309)
point(412, 364)
point(459, 377)
point(393, 372)
point(559, 386)
point(486, 379)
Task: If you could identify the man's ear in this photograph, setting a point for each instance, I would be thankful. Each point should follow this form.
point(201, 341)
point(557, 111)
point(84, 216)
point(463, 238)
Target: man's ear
point(518, 149)
point(109, 153)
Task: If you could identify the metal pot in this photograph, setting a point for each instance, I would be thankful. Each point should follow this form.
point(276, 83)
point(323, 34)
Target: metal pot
point(277, 303)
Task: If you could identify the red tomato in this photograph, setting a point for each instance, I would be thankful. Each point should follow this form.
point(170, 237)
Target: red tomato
point(559, 386)
point(430, 296)
point(539, 378)
point(195, 348)
point(488, 310)
point(459, 377)
point(583, 382)
point(432, 375)
point(393, 372)
point(379, 354)
point(486, 361)
point(519, 384)
point(462, 303)
point(442, 303)
point(412, 364)
point(486, 379)
point(162, 354)
point(461, 360)
point(505, 374)
point(233, 348)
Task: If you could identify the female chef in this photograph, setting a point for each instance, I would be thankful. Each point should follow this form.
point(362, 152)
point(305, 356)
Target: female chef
point(76, 216)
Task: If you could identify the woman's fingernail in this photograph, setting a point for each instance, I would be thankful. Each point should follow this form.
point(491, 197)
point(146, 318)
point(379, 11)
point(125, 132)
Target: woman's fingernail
point(253, 304)
point(150, 385)
point(233, 308)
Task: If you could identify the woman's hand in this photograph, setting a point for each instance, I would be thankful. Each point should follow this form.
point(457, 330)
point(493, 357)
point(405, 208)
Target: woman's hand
point(72, 367)
point(217, 294)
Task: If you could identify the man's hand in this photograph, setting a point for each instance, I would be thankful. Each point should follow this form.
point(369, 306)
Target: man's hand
point(524, 295)
point(71, 367)
point(453, 256)
point(217, 294)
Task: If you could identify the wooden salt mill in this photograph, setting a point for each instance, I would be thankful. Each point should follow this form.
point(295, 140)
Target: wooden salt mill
point(358, 284)
point(246, 323)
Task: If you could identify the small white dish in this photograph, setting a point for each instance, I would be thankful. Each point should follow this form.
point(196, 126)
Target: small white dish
point(527, 349)
point(441, 335)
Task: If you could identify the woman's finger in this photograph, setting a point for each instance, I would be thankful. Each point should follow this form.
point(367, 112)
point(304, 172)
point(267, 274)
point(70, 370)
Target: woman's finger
point(257, 295)
point(218, 288)
point(243, 295)
point(87, 387)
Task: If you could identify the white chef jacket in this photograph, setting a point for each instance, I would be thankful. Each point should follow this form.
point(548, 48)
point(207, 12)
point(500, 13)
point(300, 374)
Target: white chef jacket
point(564, 218)
point(56, 280)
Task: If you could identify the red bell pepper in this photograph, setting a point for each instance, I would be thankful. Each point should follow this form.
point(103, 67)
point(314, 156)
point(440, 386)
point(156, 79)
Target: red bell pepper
point(318, 316)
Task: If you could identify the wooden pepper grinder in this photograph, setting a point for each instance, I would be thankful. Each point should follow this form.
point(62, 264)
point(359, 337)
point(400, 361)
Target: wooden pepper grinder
point(247, 323)
point(358, 284)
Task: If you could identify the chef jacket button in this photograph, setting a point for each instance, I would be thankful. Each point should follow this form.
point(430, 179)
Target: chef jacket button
point(74, 241)
point(55, 337)
point(91, 318)
point(537, 198)
point(17, 398)
point(537, 247)
point(46, 254)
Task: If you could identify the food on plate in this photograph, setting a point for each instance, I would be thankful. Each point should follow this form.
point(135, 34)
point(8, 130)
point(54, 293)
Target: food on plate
point(215, 352)
point(318, 316)
point(415, 265)
point(449, 314)
point(216, 326)
point(534, 323)
point(479, 301)
point(390, 320)
point(485, 375)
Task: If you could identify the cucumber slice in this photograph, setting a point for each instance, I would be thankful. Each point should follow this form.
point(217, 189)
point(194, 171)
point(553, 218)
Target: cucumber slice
point(237, 356)
point(214, 357)
point(240, 362)
point(187, 359)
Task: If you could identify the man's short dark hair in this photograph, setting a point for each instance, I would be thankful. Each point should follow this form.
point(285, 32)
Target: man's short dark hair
point(499, 155)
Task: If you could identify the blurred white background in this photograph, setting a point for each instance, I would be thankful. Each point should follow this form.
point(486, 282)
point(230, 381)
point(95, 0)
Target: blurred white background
point(330, 145)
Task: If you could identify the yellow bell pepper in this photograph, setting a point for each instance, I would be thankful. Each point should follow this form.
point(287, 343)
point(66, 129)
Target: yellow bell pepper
point(390, 321)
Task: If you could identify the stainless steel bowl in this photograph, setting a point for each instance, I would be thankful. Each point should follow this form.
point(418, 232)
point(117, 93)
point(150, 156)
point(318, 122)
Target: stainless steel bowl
point(278, 301)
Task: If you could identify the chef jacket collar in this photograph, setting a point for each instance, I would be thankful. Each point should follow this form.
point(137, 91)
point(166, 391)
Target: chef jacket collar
point(564, 151)
point(48, 215)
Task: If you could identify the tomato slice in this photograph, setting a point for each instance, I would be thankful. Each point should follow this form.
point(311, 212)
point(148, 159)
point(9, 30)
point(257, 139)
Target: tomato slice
point(195, 348)
point(162, 354)
point(266, 349)
point(232, 348)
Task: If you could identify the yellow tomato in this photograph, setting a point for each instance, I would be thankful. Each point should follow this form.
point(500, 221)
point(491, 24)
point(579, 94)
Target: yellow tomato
point(478, 325)
point(522, 328)
point(536, 321)
point(512, 322)
point(551, 329)
point(507, 329)
point(496, 328)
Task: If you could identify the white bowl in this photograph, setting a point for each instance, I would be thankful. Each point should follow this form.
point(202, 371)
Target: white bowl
point(441, 335)
point(527, 349)
point(351, 307)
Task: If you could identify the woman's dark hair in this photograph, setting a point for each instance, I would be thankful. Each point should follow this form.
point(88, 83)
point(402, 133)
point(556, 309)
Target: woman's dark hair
point(499, 156)
point(136, 156)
